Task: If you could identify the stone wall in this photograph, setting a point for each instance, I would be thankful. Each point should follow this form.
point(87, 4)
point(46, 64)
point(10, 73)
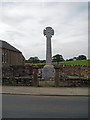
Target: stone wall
point(31, 76)
point(73, 70)
point(17, 75)
point(17, 71)
point(77, 70)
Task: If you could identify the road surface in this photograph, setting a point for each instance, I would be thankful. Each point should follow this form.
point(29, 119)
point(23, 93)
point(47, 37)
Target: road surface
point(26, 106)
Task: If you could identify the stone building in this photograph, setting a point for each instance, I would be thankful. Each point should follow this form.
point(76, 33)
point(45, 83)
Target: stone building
point(10, 55)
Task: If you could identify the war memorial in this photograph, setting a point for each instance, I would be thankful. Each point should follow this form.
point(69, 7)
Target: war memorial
point(48, 70)
point(42, 75)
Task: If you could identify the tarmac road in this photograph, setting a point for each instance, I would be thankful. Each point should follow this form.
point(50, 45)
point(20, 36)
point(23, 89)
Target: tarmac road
point(26, 106)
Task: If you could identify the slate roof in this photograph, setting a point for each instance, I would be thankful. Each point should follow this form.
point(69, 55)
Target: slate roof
point(6, 45)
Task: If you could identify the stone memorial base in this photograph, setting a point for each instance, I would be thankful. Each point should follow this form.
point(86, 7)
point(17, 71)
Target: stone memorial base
point(48, 72)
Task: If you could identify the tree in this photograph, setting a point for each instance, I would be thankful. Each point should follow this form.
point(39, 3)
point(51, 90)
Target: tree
point(33, 60)
point(57, 58)
point(42, 61)
point(69, 59)
point(74, 58)
point(81, 57)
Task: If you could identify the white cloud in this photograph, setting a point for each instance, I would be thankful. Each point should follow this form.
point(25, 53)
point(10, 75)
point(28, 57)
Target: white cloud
point(23, 23)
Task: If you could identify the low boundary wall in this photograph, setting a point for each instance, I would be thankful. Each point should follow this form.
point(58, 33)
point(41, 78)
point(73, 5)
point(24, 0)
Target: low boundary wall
point(29, 75)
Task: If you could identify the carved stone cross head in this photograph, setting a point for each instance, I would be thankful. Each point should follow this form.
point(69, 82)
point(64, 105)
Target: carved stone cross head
point(48, 32)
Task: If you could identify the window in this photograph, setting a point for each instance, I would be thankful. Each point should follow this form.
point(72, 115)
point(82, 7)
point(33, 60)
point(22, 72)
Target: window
point(4, 56)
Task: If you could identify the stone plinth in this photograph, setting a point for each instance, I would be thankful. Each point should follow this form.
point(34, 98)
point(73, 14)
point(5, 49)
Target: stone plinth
point(48, 72)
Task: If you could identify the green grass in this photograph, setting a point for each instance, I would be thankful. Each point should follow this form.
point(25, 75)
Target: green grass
point(35, 63)
point(77, 62)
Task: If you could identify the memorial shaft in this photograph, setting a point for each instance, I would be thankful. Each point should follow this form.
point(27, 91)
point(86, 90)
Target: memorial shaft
point(48, 51)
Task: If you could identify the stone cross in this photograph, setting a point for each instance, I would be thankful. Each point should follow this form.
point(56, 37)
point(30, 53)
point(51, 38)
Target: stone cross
point(48, 70)
point(48, 32)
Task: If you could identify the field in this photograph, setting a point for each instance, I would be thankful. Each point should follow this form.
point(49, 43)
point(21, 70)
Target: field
point(77, 62)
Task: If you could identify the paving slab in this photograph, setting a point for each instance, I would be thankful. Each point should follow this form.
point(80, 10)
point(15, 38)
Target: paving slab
point(27, 90)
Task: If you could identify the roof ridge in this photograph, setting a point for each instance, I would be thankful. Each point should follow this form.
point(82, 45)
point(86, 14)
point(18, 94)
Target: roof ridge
point(9, 46)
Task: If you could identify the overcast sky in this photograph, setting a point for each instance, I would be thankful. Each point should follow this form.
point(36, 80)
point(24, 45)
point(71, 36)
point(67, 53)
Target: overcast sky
point(22, 25)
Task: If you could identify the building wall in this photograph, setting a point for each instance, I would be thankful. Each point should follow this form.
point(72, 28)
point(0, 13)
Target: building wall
point(0, 64)
point(10, 57)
